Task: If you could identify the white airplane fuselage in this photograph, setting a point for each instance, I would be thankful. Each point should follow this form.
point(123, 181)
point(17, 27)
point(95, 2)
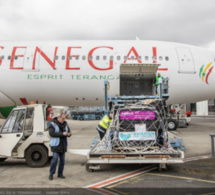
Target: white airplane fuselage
point(73, 72)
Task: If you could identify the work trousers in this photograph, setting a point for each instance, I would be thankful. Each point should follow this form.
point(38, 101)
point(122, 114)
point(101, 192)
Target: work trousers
point(156, 89)
point(54, 161)
point(101, 131)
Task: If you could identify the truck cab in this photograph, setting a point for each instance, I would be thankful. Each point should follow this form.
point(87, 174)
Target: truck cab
point(24, 135)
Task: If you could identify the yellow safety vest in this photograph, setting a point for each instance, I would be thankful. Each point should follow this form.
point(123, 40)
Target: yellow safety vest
point(105, 122)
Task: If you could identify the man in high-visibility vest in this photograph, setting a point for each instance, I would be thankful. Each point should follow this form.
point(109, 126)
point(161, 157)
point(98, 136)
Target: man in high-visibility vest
point(157, 82)
point(58, 131)
point(104, 124)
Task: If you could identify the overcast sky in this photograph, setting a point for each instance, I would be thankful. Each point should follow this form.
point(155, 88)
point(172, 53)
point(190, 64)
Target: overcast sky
point(184, 21)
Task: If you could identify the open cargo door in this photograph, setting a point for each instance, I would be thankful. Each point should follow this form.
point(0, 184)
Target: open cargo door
point(137, 79)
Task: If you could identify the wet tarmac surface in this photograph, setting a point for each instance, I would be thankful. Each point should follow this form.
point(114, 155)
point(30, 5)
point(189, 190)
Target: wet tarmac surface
point(194, 174)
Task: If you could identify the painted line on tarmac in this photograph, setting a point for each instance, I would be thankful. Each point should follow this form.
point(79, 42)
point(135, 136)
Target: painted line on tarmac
point(122, 177)
point(125, 181)
point(102, 191)
point(179, 177)
point(197, 158)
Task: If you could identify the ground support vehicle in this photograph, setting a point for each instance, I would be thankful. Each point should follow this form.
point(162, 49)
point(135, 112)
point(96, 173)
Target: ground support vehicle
point(24, 135)
point(138, 134)
point(178, 117)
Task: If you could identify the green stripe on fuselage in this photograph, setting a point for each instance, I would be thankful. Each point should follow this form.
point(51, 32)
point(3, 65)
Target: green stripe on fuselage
point(5, 111)
point(200, 72)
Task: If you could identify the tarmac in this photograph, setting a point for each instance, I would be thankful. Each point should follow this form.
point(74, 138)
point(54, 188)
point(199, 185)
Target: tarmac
point(196, 174)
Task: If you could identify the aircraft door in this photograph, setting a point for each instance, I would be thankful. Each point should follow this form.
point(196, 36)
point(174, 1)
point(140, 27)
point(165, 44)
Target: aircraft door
point(12, 132)
point(31, 62)
point(186, 63)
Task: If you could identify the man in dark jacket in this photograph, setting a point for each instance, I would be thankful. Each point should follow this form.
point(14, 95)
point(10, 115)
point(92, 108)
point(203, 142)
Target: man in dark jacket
point(58, 131)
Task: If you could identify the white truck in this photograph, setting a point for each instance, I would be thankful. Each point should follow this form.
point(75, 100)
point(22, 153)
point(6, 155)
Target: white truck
point(24, 135)
point(178, 117)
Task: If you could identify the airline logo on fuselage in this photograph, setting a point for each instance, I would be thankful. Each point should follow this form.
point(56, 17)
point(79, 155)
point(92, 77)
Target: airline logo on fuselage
point(205, 71)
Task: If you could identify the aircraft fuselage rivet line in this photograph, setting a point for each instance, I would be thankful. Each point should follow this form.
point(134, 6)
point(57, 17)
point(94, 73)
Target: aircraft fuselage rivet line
point(122, 177)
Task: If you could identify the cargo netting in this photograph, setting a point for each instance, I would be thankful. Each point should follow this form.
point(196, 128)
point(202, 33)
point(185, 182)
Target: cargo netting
point(137, 128)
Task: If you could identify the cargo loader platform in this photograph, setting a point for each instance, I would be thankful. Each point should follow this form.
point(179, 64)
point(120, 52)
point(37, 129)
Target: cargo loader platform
point(137, 135)
point(138, 132)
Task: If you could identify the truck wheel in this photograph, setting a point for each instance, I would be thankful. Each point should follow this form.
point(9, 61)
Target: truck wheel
point(2, 159)
point(98, 118)
point(81, 118)
point(172, 124)
point(36, 156)
point(75, 118)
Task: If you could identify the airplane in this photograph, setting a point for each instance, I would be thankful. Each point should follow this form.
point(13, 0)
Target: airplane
point(73, 72)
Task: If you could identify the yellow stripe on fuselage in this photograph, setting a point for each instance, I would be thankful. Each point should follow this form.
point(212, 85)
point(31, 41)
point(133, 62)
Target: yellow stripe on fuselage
point(203, 75)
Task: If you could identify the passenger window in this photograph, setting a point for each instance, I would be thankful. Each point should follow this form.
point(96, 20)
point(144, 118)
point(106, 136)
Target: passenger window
point(83, 57)
point(125, 57)
point(104, 57)
point(63, 58)
point(146, 58)
point(8, 57)
point(139, 58)
point(77, 57)
point(91, 58)
point(56, 57)
point(160, 58)
point(16, 57)
point(132, 57)
point(167, 58)
point(153, 57)
point(97, 57)
point(118, 57)
point(111, 57)
point(15, 122)
point(70, 57)
point(2, 57)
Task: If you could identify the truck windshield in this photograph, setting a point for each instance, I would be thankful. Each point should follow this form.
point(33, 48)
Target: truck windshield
point(14, 123)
